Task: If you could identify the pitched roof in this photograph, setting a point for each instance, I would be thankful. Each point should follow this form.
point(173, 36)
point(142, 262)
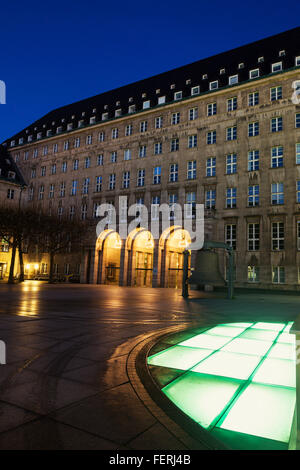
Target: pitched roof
point(9, 171)
point(198, 73)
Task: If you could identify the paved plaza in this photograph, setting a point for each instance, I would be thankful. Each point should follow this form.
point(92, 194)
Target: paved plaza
point(70, 381)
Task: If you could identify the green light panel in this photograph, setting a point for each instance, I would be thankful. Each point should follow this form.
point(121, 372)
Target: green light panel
point(179, 357)
point(263, 411)
point(201, 397)
point(239, 377)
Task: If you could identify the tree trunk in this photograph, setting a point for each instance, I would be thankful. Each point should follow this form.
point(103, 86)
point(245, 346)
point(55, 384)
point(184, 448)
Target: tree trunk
point(51, 278)
point(21, 260)
point(12, 262)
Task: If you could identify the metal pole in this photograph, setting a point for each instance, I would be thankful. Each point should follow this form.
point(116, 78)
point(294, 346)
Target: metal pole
point(185, 286)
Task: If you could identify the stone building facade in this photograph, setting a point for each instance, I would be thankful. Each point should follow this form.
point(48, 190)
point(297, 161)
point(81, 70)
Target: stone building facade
point(223, 132)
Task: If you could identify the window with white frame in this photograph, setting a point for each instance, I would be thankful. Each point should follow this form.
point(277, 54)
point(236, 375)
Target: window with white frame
point(10, 193)
point(192, 141)
point(231, 163)
point(77, 142)
point(53, 169)
point(277, 236)
point(277, 67)
point(141, 177)
point(83, 217)
point(190, 205)
point(253, 195)
point(64, 167)
point(55, 148)
point(89, 140)
point(143, 126)
point(276, 124)
point(231, 133)
point(100, 159)
point(74, 187)
point(158, 122)
point(254, 73)
point(195, 90)
point(85, 185)
point(87, 162)
point(128, 130)
point(193, 114)
point(35, 153)
point(113, 157)
point(45, 151)
point(175, 118)
point(278, 274)
point(101, 136)
point(51, 191)
point(156, 174)
point(43, 171)
point(173, 198)
point(233, 79)
point(214, 85)
point(112, 181)
point(277, 194)
point(174, 147)
point(33, 173)
point(66, 145)
point(277, 156)
point(131, 109)
point(297, 120)
point(298, 234)
point(276, 93)
point(253, 236)
point(253, 274)
point(230, 235)
point(210, 199)
point(231, 198)
point(191, 170)
point(253, 98)
point(211, 109)
point(142, 151)
point(253, 129)
point(253, 160)
point(62, 190)
point(173, 174)
point(178, 95)
point(211, 166)
point(98, 185)
point(146, 104)
point(115, 133)
point(95, 209)
point(232, 104)
point(126, 179)
point(297, 148)
point(297, 61)
point(155, 202)
point(161, 100)
point(211, 137)
point(157, 148)
point(127, 154)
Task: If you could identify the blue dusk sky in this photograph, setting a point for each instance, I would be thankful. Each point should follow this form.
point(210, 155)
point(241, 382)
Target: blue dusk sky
point(55, 53)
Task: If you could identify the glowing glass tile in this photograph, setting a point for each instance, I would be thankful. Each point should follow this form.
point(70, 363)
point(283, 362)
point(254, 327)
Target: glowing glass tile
point(288, 327)
point(283, 351)
point(269, 326)
point(201, 397)
point(238, 366)
point(206, 341)
point(240, 324)
point(252, 333)
point(263, 411)
point(286, 338)
point(179, 357)
point(248, 346)
point(225, 331)
point(276, 372)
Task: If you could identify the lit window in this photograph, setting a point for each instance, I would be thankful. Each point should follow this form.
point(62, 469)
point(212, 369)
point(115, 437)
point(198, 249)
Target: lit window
point(254, 73)
point(233, 79)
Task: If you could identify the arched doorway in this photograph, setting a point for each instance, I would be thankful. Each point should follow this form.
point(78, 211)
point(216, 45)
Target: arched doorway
point(140, 246)
point(109, 245)
point(173, 242)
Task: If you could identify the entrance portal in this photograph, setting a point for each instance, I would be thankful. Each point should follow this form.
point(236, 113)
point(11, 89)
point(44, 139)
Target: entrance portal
point(109, 257)
point(175, 242)
point(141, 254)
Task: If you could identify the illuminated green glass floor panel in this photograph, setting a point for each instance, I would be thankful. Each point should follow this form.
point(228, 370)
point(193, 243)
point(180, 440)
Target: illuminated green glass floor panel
point(225, 364)
point(179, 357)
point(263, 411)
point(201, 397)
point(239, 378)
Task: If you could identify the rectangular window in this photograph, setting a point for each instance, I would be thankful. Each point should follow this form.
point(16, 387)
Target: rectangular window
point(193, 114)
point(83, 217)
point(101, 136)
point(233, 80)
point(253, 129)
point(156, 175)
point(62, 191)
point(143, 126)
point(87, 162)
point(192, 141)
point(158, 122)
point(113, 157)
point(298, 235)
point(142, 151)
point(157, 148)
point(74, 187)
point(98, 185)
point(126, 179)
point(10, 194)
point(253, 273)
point(128, 130)
point(178, 95)
point(253, 160)
point(161, 100)
point(85, 186)
point(89, 139)
point(230, 235)
point(277, 194)
point(66, 145)
point(253, 237)
point(211, 137)
point(112, 181)
point(210, 199)
point(195, 90)
point(77, 142)
point(297, 120)
point(174, 145)
point(232, 104)
point(277, 67)
point(231, 163)
point(191, 170)
point(231, 198)
point(278, 274)
point(231, 133)
point(175, 118)
point(211, 109)
point(211, 166)
point(253, 98)
point(190, 207)
point(115, 133)
point(127, 154)
point(214, 85)
point(276, 124)
point(253, 195)
point(254, 73)
point(277, 236)
point(100, 159)
point(141, 178)
point(298, 154)
point(155, 202)
point(43, 171)
point(173, 175)
point(277, 157)
point(275, 93)
point(64, 167)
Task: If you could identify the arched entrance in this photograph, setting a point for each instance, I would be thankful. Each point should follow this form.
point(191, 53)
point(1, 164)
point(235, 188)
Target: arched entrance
point(140, 246)
point(173, 242)
point(109, 245)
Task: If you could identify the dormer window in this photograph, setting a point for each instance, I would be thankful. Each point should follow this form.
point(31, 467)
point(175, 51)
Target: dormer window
point(178, 95)
point(297, 61)
point(93, 120)
point(157, 91)
point(70, 126)
point(83, 113)
point(146, 104)
point(49, 132)
point(118, 103)
point(144, 95)
point(222, 71)
point(29, 138)
point(277, 67)
point(254, 73)
point(188, 82)
point(58, 129)
point(81, 123)
point(12, 143)
point(195, 90)
point(21, 140)
point(172, 86)
point(63, 120)
point(241, 65)
point(104, 116)
point(106, 106)
point(94, 110)
point(130, 100)
point(214, 85)
point(39, 135)
point(118, 112)
point(281, 53)
point(53, 123)
point(11, 175)
point(204, 77)
point(73, 117)
point(161, 99)
point(233, 80)
point(260, 59)
point(131, 109)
